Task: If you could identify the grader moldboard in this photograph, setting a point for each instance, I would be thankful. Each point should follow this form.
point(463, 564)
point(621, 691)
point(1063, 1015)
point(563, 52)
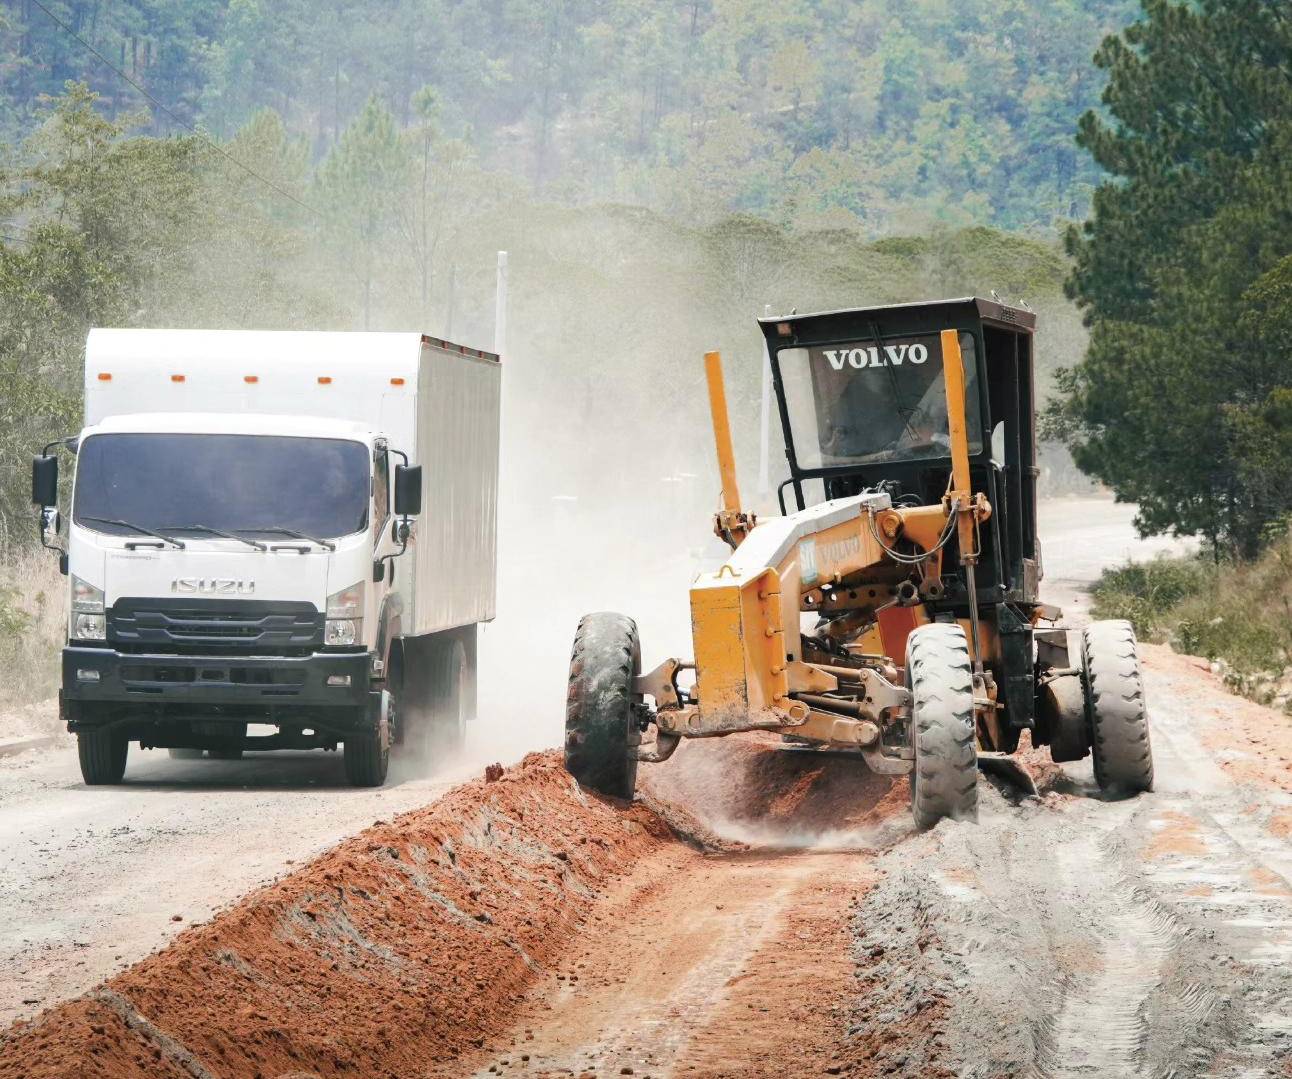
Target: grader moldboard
point(894, 614)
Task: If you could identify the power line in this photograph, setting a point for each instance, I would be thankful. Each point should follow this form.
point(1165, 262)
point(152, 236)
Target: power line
point(169, 112)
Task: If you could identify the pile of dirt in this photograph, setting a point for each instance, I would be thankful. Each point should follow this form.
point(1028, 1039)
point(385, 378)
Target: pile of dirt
point(757, 790)
point(402, 947)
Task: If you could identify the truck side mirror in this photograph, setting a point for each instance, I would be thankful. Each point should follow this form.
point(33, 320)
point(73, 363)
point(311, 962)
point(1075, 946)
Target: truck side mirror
point(408, 490)
point(44, 480)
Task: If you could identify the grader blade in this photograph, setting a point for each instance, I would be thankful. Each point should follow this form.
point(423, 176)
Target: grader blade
point(1003, 766)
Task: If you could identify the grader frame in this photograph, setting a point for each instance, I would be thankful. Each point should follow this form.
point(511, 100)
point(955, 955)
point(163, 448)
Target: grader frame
point(915, 660)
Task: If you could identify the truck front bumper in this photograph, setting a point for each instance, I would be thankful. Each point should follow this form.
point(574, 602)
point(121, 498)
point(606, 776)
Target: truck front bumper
point(102, 685)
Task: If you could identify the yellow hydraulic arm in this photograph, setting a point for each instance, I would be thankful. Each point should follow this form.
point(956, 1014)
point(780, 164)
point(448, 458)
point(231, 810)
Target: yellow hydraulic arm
point(730, 523)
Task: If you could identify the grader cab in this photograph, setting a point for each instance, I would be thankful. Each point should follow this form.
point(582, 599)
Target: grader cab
point(893, 611)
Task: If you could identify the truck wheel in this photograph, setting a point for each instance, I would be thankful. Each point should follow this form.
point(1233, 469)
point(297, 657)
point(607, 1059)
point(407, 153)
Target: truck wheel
point(600, 726)
point(366, 759)
point(184, 754)
point(1114, 690)
point(452, 691)
point(944, 780)
point(229, 754)
point(103, 756)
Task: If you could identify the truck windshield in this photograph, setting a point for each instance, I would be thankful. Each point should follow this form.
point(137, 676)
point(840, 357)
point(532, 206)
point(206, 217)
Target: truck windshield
point(873, 402)
point(316, 486)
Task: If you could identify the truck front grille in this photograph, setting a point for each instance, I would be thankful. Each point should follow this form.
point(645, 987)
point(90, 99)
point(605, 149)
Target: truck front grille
point(215, 626)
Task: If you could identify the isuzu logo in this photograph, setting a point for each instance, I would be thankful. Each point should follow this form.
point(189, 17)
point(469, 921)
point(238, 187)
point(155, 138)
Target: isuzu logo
point(215, 586)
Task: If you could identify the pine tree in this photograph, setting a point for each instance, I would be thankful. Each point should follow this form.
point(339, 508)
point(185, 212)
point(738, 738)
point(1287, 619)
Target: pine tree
point(1196, 138)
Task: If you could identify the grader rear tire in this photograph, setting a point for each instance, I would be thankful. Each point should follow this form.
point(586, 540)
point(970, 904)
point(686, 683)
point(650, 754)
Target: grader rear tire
point(1114, 690)
point(944, 781)
point(600, 726)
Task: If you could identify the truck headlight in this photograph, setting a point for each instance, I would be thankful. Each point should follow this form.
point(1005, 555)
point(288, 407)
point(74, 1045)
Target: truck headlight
point(88, 622)
point(342, 631)
point(89, 627)
point(344, 625)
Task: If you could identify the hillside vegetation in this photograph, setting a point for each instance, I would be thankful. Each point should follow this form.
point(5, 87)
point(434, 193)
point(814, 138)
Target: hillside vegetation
point(608, 303)
point(888, 114)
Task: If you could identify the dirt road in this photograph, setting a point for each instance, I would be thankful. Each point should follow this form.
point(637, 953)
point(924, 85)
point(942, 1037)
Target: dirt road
point(95, 876)
point(806, 931)
point(1062, 936)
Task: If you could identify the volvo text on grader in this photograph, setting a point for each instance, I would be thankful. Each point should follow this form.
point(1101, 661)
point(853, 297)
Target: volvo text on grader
point(897, 617)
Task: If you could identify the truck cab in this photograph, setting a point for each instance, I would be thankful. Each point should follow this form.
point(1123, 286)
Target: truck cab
point(230, 568)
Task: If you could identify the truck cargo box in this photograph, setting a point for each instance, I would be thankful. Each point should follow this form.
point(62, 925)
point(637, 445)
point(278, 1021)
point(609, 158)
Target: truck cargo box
point(437, 402)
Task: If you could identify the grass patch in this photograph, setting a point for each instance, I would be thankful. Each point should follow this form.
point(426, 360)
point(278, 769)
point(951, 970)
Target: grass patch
point(1238, 615)
point(32, 628)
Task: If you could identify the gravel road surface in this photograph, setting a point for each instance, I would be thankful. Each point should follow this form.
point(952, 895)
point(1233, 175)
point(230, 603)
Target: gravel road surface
point(1065, 935)
point(97, 877)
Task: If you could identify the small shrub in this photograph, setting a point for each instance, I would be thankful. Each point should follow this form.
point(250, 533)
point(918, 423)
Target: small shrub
point(1240, 613)
point(1146, 593)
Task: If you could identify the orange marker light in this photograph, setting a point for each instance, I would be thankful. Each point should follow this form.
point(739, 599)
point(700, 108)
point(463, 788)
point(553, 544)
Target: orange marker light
point(396, 381)
point(250, 378)
point(105, 376)
point(325, 380)
point(177, 378)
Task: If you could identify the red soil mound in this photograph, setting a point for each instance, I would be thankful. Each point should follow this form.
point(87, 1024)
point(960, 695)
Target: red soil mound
point(402, 947)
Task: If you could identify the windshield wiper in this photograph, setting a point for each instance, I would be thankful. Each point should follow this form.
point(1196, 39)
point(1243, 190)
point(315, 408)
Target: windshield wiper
point(219, 532)
point(134, 527)
point(279, 530)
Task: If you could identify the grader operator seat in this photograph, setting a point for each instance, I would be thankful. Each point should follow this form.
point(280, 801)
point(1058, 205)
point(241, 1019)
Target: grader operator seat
point(863, 406)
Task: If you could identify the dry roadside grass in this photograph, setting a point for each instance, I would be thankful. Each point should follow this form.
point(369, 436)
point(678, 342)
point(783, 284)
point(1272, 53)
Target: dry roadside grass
point(31, 635)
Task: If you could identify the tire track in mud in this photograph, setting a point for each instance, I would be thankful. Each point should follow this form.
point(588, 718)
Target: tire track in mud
point(1077, 936)
point(1102, 1026)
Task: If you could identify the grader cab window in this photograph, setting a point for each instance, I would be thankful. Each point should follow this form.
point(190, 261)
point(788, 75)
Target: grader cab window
point(874, 402)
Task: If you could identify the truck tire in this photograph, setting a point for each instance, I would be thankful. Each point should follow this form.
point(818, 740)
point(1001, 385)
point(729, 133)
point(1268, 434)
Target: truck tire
point(102, 754)
point(366, 760)
point(600, 725)
point(229, 754)
point(1114, 691)
point(452, 694)
point(944, 779)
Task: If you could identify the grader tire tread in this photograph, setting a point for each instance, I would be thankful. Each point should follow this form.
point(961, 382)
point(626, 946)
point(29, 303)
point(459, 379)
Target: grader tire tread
point(944, 781)
point(600, 727)
point(1121, 747)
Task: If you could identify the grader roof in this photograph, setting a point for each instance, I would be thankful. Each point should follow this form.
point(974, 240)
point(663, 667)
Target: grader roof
point(925, 316)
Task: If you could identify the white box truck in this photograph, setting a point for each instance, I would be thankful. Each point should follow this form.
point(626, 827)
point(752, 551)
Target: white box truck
point(289, 531)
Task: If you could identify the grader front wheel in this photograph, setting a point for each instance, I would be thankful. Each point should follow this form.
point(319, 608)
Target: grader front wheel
point(600, 724)
point(944, 781)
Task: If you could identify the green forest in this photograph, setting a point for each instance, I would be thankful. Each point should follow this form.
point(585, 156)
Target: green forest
point(882, 115)
point(660, 173)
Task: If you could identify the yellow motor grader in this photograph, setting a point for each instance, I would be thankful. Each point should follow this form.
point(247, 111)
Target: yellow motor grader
point(894, 612)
